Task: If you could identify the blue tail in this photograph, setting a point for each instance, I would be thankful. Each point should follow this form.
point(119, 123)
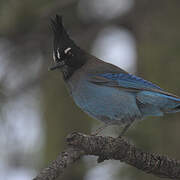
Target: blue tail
point(156, 104)
point(174, 105)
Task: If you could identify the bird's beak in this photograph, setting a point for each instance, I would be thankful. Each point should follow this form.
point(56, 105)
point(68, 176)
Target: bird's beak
point(57, 66)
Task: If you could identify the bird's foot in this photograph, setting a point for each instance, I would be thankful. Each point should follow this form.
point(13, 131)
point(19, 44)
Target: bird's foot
point(97, 131)
point(124, 130)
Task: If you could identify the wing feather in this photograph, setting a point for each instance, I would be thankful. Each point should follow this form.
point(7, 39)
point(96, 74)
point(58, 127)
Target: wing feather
point(127, 82)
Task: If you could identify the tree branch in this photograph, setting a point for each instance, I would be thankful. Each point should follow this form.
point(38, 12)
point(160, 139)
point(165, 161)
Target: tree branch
point(110, 148)
point(57, 167)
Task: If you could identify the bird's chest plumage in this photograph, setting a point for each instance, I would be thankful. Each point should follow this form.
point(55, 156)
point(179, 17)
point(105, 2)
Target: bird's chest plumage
point(107, 104)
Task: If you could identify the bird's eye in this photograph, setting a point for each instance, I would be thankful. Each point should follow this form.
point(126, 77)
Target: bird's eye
point(67, 51)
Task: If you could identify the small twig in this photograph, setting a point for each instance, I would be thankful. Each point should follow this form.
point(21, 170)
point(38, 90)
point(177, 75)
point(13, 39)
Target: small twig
point(57, 167)
point(110, 148)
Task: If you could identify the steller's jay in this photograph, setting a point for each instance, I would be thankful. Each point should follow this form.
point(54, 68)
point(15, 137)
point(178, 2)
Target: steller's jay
point(105, 91)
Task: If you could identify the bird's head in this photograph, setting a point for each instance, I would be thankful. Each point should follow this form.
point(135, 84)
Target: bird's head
point(62, 50)
point(66, 54)
point(61, 57)
point(65, 51)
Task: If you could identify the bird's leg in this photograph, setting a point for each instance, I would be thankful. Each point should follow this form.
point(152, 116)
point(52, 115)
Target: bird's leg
point(125, 129)
point(97, 131)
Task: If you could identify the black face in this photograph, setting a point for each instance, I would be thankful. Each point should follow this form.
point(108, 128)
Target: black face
point(61, 57)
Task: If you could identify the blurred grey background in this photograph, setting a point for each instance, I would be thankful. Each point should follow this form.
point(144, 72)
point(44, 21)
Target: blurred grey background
point(36, 112)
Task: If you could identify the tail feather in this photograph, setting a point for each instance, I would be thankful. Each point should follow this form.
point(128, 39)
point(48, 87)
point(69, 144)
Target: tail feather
point(174, 110)
point(173, 104)
point(160, 102)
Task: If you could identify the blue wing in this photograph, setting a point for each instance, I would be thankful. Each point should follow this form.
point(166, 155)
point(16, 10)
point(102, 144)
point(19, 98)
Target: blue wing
point(153, 99)
point(123, 80)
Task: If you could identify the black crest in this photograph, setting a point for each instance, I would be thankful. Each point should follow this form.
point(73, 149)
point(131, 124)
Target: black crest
point(65, 52)
point(62, 40)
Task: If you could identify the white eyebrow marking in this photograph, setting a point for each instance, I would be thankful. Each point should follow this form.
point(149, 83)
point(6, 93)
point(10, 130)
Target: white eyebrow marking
point(58, 54)
point(67, 50)
point(54, 57)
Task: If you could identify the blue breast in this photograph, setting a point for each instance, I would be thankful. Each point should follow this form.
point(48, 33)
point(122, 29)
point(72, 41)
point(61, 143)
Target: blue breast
point(104, 103)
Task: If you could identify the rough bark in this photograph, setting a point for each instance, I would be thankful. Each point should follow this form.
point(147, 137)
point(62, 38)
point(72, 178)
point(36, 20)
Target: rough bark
point(106, 148)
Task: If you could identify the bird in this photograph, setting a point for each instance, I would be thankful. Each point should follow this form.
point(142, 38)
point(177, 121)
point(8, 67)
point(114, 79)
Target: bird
point(104, 91)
